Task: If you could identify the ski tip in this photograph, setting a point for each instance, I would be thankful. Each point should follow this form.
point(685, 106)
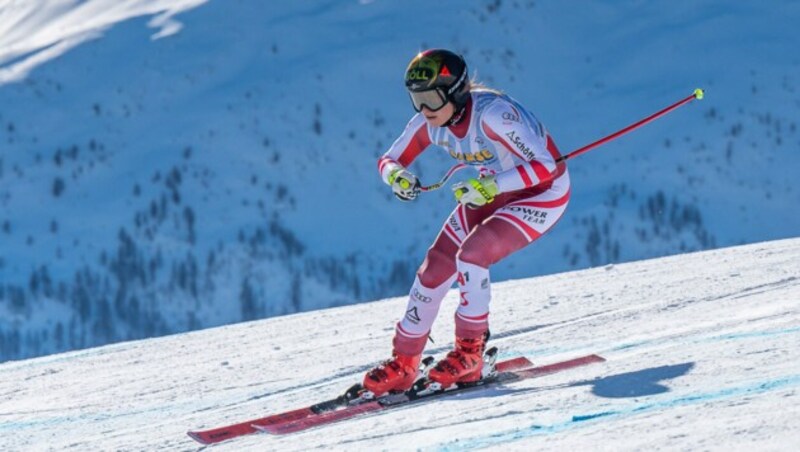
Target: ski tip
point(593, 358)
point(197, 437)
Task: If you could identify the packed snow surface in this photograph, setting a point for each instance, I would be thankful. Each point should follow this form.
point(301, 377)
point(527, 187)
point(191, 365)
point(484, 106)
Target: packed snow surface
point(702, 354)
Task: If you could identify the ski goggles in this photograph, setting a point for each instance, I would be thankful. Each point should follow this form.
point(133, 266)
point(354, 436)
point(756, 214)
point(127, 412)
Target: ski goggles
point(432, 99)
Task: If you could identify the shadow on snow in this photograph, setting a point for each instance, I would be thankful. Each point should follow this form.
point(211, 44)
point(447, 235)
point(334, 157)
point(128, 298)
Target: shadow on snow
point(636, 384)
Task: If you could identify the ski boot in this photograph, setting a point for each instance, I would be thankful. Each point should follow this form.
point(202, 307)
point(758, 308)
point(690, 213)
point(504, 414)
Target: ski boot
point(464, 365)
point(395, 375)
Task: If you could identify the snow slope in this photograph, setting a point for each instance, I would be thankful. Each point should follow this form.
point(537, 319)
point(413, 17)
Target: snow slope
point(703, 354)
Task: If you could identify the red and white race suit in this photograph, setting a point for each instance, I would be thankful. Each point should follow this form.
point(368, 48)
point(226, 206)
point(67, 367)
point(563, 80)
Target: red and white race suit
point(496, 136)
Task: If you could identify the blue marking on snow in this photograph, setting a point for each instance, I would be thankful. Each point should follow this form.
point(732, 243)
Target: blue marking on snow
point(581, 420)
point(722, 337)
point(586, 417)
point(750, 334)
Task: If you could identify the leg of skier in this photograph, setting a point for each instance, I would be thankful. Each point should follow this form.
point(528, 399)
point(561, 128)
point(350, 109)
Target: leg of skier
point(487, 244)
point(510, 228)
point(434, 278)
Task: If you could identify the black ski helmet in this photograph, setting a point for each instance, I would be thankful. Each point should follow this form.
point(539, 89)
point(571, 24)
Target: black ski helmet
point(435, 77)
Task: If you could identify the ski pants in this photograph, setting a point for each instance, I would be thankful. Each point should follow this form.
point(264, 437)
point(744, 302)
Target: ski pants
point(469, 242)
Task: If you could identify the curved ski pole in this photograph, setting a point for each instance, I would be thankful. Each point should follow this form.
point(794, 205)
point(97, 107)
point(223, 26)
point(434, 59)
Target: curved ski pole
point(444, 180)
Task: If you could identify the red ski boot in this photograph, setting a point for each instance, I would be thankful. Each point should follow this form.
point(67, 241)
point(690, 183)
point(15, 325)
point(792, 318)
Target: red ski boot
point(395, 375)
point(462, 365)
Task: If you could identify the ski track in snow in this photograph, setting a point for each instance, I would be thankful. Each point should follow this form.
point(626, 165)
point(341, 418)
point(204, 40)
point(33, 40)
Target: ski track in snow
point(702, 353)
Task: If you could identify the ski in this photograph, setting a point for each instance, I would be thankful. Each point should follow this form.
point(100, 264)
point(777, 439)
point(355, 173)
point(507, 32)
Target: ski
point(227, 432)
point(416, 396)
point(343, 404)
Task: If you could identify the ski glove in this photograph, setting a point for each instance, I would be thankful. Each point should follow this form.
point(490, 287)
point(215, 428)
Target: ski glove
point(475, 193)
point(405, 184)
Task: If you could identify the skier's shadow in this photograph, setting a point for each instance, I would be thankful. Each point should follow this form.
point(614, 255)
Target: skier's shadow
point(639, 383)
point(636, 384)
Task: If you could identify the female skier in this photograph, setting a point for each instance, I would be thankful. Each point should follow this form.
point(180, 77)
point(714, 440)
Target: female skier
point(519, 194)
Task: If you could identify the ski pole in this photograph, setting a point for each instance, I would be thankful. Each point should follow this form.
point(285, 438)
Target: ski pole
point(697, 94)
point(444, 179)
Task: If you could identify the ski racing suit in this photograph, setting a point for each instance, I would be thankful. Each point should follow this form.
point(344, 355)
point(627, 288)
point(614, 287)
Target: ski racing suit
point(496, 136)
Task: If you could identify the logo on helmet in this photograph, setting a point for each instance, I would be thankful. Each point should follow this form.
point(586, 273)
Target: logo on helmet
point(418, 74)
point(424, 70)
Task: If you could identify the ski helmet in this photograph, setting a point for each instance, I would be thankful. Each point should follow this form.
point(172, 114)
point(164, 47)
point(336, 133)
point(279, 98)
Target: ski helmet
point(435, 77)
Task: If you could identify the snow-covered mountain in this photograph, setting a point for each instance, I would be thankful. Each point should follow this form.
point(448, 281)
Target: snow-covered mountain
point(702, 353)
point(168, 165)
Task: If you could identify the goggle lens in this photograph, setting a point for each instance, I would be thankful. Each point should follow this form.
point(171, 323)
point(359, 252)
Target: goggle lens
point(432, 99)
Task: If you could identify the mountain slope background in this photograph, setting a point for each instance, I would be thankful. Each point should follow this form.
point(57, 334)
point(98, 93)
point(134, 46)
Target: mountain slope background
point(173, 165)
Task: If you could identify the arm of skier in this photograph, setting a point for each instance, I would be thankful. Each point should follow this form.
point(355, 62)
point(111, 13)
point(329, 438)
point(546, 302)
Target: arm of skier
point(392, 165)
